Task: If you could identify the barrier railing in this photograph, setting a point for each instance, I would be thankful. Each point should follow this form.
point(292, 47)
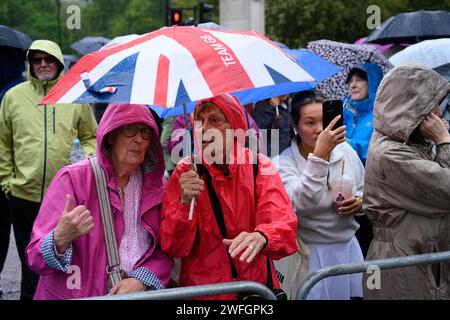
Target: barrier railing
point(350, 268)
point(194, 291)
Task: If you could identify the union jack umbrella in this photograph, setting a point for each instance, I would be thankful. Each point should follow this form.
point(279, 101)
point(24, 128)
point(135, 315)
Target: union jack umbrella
point(177, 65)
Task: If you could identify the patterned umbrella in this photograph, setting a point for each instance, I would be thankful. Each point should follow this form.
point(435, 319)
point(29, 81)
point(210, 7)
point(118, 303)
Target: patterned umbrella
point(317, 67)
point(177, 65)
point(345, 56)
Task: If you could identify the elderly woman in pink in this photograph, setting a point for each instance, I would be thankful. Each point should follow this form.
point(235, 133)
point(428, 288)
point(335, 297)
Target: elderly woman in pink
point(68, 248)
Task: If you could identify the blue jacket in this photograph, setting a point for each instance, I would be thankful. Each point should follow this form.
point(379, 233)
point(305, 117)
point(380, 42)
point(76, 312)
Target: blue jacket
point(358, 114)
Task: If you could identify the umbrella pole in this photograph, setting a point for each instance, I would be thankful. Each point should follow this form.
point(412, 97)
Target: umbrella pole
point(191, 162)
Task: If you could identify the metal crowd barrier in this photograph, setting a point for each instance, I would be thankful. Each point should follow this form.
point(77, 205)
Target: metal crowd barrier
point(349, 268)
point(194, 291)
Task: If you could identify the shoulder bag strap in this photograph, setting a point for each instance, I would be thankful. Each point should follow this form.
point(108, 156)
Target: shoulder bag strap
point(113, 268)
point(217, 211)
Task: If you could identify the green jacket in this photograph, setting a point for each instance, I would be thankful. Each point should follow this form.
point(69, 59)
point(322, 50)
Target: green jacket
point(35, 140)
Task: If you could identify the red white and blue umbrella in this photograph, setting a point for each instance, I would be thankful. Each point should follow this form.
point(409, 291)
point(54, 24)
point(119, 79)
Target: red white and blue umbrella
point(177, 65)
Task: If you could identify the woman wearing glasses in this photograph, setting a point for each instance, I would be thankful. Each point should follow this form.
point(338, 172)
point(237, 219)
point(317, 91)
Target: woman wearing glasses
point(68, 248)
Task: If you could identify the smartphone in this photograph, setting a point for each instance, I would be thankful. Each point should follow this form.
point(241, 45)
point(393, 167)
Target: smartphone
point(330, 110)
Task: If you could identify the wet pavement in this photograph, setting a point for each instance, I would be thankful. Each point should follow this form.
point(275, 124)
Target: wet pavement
point(10, 276)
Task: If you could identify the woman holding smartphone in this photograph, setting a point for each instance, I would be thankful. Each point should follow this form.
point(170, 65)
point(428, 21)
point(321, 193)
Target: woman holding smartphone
point(316, 159)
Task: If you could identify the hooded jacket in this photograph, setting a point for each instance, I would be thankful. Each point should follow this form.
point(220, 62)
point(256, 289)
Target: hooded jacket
point(89, 251)
point(35, 140)
point(407, 190)
point(358, 114)
point(199, 241)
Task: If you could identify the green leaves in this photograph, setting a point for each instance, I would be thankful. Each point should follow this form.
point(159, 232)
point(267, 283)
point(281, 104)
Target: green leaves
point(293, 22)
point(296, 22)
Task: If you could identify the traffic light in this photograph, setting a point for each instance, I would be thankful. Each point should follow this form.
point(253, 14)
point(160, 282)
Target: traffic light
point(204, 8)
point(176, 16)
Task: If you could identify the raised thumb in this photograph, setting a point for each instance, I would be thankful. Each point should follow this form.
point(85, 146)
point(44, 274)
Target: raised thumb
point(69, 203)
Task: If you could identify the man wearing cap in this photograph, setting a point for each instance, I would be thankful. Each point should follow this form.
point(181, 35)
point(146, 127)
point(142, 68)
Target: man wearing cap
point(260, 223)
point(35, 142)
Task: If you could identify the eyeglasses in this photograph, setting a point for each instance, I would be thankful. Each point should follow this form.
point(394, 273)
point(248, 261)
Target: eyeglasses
point(38, 60)
point(131, 130)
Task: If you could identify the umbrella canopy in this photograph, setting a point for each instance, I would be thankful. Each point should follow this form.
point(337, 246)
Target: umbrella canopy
point(120, 39)
point(13, 38)
point(89, 44)
point(345, 56)
point(444, 71)
point(430, 53)
point(412, 27)
point(177, 65)
point(320, 69)
point(69, 61)
point(384, 49)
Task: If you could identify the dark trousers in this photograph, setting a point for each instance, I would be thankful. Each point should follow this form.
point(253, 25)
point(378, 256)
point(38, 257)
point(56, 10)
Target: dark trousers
point(364, 234)
point(5, 228)
point(23, 214)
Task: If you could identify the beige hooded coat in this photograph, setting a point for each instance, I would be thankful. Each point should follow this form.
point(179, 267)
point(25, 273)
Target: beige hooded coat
point(407, 190)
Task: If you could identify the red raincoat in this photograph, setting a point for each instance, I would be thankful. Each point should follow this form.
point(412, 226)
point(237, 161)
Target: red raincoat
point(199, 241)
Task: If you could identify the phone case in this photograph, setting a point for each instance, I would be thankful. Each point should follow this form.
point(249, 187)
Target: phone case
point(330, 110)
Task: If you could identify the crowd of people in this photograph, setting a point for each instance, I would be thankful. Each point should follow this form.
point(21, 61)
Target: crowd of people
point(130, 217)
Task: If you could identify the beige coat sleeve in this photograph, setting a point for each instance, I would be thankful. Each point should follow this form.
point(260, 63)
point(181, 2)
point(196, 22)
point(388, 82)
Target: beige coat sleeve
point(415, 183)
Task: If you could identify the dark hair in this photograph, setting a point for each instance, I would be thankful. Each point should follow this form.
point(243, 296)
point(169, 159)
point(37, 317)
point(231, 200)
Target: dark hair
point(360, 73)
point(303, 98)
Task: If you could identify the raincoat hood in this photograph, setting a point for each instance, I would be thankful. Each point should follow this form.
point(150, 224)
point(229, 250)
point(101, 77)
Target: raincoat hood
point(398, 115)
point(374, 76)
point(231, 107)
point(50, 48)
point(118, 115)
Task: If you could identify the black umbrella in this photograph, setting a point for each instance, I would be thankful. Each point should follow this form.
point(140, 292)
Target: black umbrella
point(13, 38)
point(89, 44)
point(69, 61)
point(444, 70)
point(412, 27)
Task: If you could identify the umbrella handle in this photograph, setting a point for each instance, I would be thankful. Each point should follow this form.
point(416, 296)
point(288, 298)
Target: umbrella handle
point(191, 208)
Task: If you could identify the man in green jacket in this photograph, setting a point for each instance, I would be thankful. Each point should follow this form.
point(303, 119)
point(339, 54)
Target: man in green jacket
point(35, 142)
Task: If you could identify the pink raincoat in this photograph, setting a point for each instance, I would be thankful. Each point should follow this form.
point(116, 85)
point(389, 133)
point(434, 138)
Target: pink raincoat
point(86, 276)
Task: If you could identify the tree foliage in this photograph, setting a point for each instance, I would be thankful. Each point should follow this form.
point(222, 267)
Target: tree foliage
point(296, 22)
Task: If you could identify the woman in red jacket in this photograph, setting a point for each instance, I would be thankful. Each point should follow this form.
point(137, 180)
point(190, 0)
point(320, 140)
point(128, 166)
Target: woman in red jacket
point(260, 224)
